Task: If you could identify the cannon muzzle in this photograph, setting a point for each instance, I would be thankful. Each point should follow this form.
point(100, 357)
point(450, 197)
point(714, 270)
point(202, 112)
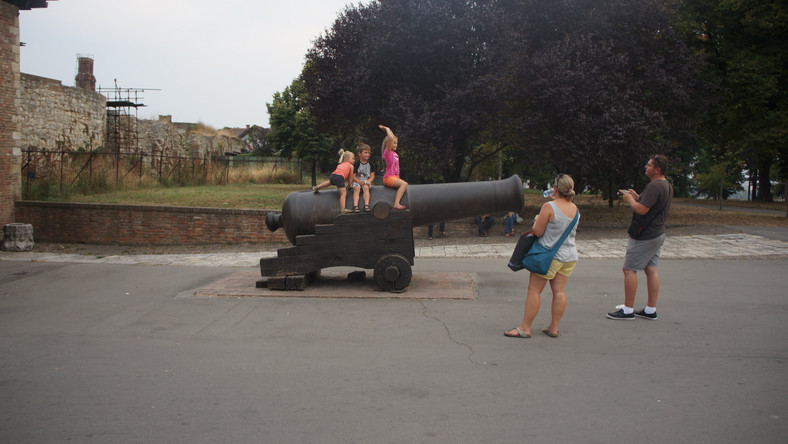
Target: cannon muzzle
point(428, 204)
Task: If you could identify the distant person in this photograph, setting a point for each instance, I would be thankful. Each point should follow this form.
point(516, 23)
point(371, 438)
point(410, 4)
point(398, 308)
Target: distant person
point(484, 222)
point(509, 221)
point(344, 171)
point(550, 224)
point(391, 177)
point(646, 236)
point(363, 177)
point(441, 227)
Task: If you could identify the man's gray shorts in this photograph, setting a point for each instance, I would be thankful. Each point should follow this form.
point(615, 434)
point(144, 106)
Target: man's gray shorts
point(643, 253)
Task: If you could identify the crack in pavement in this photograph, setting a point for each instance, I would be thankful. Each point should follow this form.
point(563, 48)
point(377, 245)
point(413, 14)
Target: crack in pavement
point(448, 332)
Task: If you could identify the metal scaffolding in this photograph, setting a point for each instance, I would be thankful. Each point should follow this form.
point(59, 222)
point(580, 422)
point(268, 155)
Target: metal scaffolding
point(122, 136)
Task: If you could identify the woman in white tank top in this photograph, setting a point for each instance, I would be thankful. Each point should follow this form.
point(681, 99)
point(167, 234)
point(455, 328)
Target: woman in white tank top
point(551, 222)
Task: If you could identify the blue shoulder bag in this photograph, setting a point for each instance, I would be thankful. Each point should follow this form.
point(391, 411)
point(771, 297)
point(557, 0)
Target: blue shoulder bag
point(538, 258)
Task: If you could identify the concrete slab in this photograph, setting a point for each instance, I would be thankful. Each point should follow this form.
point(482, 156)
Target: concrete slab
point(334, 284)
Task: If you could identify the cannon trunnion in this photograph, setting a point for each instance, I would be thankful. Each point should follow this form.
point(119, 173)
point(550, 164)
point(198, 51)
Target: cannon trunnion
point(382, 239)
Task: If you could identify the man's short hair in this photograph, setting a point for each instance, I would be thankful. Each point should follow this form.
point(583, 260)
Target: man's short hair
point(661, 162)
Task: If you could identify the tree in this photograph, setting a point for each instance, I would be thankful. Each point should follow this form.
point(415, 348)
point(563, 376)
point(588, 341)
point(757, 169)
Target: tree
point(258, 141)
point(419, 67)
point(744, 43)
point(293, 129)
point(718, 177)
point(596, 87)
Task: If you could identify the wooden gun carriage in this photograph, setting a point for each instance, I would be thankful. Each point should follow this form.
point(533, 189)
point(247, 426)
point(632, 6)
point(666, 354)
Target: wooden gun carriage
point(382, 239)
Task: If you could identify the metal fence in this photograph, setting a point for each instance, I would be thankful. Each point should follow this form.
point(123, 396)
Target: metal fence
point(47, 171)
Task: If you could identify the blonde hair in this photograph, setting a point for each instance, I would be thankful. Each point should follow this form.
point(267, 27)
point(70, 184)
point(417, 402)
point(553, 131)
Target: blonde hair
point(385, 143)
point(565, 186)
point(361, 147)
point(344, 155)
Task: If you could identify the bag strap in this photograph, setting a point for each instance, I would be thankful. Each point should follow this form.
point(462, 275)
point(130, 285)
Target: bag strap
point(567, 231)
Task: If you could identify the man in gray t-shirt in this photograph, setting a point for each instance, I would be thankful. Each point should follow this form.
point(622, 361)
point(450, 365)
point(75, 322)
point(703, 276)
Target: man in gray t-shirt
point(646, 236)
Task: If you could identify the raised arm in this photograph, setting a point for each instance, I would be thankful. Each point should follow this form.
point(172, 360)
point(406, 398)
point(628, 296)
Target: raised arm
point(389, 133)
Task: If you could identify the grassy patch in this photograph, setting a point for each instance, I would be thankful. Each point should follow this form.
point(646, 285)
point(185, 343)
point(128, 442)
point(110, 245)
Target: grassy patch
point(265, 196)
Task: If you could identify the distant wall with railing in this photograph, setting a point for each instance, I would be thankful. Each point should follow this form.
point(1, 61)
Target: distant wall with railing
point(47, 173)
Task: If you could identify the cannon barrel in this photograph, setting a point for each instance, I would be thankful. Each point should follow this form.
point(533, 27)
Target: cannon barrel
point(428, 204)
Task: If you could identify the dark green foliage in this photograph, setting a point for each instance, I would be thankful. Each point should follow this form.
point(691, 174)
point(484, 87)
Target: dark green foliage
point(258, 139)
point(293, 129)
point(594, 87)
point(744, 43)
point(537, 87)
point(419, 67)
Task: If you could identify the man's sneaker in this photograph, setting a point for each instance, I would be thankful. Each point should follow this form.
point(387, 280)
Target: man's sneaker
point(621, 316)
point(644, 315)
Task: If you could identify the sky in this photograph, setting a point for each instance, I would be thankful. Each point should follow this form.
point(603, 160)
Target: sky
point(212, 61)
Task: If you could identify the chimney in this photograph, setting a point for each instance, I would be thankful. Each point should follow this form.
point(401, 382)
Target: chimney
point(85, 78)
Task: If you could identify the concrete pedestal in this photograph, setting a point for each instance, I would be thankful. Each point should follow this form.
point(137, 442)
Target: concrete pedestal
point(18, 237)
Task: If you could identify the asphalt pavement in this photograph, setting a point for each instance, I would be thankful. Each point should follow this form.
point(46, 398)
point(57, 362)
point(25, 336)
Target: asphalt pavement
point(100, 350)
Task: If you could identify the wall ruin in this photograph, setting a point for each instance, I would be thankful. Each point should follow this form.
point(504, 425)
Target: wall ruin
point(54, 117)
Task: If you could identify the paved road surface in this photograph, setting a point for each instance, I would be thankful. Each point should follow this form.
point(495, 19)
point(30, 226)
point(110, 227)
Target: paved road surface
point(117, 352)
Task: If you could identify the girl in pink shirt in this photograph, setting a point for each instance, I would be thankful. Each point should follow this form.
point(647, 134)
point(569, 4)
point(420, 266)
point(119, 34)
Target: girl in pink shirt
point(391, 178)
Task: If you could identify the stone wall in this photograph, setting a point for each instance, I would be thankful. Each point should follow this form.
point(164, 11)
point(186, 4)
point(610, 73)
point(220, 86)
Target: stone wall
point(53, 116)
point(182, 139)
point(144, 225)
point(10, 155)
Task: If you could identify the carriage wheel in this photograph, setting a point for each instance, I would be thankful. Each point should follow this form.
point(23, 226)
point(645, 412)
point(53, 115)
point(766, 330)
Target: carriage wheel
point(392, 272)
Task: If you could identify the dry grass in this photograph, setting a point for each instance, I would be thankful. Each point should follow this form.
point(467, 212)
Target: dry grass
point(260, 173)
point(245, 195)
point(203, 129)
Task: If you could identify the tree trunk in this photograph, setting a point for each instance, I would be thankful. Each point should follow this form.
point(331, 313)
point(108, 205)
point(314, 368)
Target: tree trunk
point(314, 172)
point(764, 184)
point(610, 193)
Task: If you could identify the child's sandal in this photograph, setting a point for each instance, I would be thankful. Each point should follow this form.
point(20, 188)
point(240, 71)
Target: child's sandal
point(355, 209)
point(366, 208)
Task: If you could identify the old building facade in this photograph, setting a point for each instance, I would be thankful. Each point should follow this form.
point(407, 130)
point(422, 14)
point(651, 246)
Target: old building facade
point(10, 154)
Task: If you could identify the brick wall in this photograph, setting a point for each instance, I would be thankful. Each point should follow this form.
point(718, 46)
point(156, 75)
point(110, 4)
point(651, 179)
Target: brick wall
point(10, 155)
point(159, 225)
point(143, 225)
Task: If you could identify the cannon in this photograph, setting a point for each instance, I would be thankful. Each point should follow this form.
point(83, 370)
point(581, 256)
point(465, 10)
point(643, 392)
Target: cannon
point(382, 239)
